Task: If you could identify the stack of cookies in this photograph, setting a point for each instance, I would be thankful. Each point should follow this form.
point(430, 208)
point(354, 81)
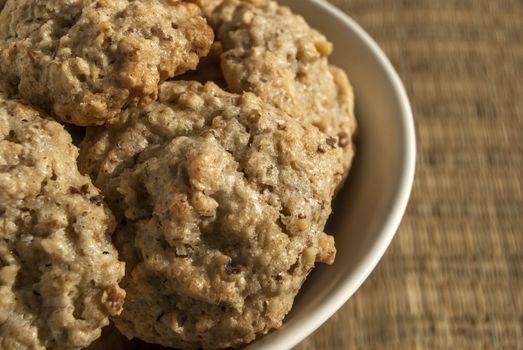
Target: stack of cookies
point(214, 134)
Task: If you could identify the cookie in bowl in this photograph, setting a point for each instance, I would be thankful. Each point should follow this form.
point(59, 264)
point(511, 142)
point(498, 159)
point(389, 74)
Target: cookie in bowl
point(221, 200)
point(85, 60)
point(272, 52)
point(59, 271)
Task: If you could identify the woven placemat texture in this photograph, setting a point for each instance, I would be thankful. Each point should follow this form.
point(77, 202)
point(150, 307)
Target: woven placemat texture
point(453, 277)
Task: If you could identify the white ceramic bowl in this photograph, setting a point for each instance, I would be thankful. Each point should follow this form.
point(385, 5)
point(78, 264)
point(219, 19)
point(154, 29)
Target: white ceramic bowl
point(370, 206)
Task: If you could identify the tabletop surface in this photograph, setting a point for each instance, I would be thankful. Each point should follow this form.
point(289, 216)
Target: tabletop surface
point(453, 276)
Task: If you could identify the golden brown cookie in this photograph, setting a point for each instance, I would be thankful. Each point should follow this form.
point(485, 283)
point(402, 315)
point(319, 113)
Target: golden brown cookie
point(275, 54)
point(85, 60)
point(59, 271)
point(222, 200)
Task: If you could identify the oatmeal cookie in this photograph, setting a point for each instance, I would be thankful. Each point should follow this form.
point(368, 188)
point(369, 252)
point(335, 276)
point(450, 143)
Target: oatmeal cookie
point(222, 200)
point(275, 54)
point(87, 59)
point(59, 271)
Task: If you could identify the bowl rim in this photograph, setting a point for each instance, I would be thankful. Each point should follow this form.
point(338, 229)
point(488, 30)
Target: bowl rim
point(346, 288)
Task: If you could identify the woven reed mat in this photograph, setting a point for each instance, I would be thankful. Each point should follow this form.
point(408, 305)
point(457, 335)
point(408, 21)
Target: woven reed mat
point(453, 276)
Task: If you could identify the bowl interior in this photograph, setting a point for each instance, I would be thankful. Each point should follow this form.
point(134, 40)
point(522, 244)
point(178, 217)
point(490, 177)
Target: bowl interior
point(369, 207)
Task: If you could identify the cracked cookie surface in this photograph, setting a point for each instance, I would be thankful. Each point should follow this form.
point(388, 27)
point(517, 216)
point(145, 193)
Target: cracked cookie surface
point(222, 200)
point(85, 60)
point(59, 271)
